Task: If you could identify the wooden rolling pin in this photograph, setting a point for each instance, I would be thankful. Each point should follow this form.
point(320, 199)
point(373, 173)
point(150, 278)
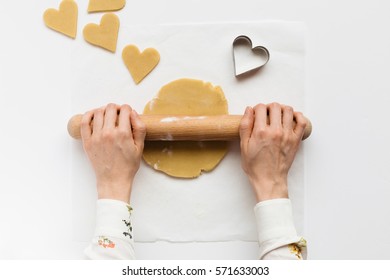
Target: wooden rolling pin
point(185, 128)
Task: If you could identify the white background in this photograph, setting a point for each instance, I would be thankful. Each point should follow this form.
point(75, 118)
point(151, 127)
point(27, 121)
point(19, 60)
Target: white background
point(347, 157)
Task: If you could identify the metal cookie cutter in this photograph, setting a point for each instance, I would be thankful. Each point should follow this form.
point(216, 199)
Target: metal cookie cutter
point(245, 63)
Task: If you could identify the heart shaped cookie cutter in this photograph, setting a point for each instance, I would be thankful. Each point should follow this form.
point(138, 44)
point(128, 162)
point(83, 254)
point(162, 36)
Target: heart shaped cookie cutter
point(249, 63)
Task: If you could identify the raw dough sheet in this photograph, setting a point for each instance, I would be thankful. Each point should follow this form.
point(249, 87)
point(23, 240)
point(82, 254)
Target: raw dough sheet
point(217, 206)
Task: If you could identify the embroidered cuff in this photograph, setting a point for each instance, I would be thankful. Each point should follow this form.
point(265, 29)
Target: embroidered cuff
point(113, 219)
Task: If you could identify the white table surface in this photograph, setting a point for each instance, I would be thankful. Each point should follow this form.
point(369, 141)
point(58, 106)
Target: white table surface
point(347, 157)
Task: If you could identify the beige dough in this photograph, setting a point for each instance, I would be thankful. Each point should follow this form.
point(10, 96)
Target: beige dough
point(105, 5)
point(104, 35)
point(140, 64)
point(186, 159)
point(63, 20)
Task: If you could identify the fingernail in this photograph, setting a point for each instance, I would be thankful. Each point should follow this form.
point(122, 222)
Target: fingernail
point(247, 110)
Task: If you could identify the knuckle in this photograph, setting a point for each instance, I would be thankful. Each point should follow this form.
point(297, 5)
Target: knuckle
point(244, 124)
point(261, 132)
point(300, 119)
point(111, 105)
point(138, 125)
point(274, 105)
point(277, 134)
point(259, 106)
point(84, 121)
point(288, 109)
point(122, 132)
point(141, 128)
point(126, 107)
point(108, 135)
point(99, 111)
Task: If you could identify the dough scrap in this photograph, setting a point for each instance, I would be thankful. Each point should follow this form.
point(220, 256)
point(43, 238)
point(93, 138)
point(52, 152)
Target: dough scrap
point(186, 159)
point(63, 20)
point(140, 64)
point(105, 5)
point(104, 35)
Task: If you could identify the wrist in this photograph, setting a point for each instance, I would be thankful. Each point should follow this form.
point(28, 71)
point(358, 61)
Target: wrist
point(114, 190)
point(269, 189)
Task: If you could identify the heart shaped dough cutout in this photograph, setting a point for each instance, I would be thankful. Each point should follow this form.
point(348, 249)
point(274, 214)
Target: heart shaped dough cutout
point(140, 64)
point(104, 35)
point(105, 5)
point(63, 20)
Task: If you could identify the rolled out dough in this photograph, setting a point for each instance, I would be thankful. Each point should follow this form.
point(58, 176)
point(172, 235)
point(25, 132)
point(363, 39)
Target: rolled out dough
point(186, 159)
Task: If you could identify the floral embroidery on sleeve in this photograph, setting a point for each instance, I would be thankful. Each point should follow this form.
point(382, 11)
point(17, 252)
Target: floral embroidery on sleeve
point(296, 248)
point(128, 224)
point(105, 242)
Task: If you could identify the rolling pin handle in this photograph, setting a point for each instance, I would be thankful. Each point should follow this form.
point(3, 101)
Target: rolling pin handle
point(74, 126)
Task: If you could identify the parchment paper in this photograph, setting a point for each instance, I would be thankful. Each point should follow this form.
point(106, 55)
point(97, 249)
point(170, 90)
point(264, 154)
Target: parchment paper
point(217, 206)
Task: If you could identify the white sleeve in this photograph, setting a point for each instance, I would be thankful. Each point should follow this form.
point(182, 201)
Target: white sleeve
point(113, 237)
point(277, 236)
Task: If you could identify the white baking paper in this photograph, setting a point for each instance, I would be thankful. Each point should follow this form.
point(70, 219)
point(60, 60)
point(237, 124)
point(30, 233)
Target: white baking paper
point(217, 206)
